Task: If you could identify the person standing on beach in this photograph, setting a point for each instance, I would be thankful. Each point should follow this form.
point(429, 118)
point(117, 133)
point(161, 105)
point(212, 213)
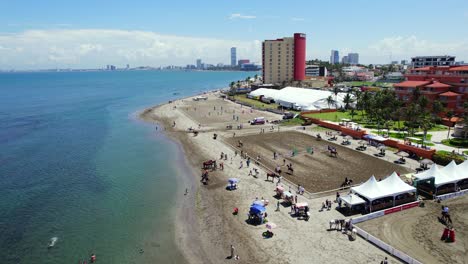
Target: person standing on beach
point(232, 251)
point(241, 165)
point(278, 206)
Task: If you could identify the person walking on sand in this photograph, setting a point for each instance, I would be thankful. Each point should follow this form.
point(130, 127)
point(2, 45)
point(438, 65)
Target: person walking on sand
point(385, 261)
point(241, 164)
point(232, 251)
point(277, 206)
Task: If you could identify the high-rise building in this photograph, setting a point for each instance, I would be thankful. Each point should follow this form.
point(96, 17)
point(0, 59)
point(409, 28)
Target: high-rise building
point(199, 64)
point(233, 56)
point(334, 57)
point(345, 60)
point(424, 61)
point(284, 59)
point(353, 58)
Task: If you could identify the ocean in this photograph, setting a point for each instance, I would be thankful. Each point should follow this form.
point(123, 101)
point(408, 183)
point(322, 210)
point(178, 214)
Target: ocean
point(76, 163)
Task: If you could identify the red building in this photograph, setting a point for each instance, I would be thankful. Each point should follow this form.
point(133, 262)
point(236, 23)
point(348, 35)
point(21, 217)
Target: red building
point(447, 84)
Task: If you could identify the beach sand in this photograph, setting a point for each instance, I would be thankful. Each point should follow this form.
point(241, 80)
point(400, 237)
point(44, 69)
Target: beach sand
point(206, 227)
point(418, 231)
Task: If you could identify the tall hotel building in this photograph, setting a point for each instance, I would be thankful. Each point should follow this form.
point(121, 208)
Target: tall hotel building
point(284, 59)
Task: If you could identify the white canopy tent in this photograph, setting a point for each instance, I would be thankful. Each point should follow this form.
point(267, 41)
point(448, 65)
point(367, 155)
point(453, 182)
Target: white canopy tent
point(305, 99)
point(441, 176)
point(391, 186)
point(369, 189)
point(462, 170)
point(352, 199)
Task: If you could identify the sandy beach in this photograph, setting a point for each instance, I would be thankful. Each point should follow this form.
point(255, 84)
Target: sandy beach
point(205, 224)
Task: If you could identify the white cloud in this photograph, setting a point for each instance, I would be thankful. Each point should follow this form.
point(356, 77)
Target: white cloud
point(297, 19)
point(239, 16)
point(92, 48)
point(400, 47)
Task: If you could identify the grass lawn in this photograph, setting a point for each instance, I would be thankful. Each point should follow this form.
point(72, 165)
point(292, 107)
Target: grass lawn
point(255, 103)
point(336, 116)
point(465, 152)
point(456, 142)
point(292, 122)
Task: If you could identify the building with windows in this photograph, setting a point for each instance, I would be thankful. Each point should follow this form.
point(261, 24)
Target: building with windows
point(425, 61)
point(233, 56)
point(353, 58)
point(244, 61)
point(284, 59)
point(447, 84)
point(315, 70)
point(334, 57)
point(345, 60)
point(199, 63)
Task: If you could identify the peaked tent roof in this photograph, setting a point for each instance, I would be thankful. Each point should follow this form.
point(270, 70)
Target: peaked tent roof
point(440, 175)
point(370, 189)
point(393, 184)
point(352, 199)
point(462, 170)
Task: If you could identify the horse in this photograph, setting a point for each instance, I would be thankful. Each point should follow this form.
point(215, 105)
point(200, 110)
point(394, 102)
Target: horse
point(346, 183)
point(272, 175)
point(332, 151)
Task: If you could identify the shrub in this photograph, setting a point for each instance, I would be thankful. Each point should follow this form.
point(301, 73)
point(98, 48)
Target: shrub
point(443, 157)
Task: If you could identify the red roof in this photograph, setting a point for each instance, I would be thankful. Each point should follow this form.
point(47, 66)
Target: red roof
point(438, 85)
point(410, 84)
point(461, 68)
point(449, 94)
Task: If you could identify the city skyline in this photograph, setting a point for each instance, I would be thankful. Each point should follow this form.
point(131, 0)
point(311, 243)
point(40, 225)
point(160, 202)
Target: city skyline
point(54, 34)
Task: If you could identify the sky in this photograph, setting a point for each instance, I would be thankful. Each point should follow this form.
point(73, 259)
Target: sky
point(91, 34)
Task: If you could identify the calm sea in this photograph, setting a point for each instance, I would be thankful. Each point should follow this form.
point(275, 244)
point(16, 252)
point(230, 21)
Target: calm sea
point(77, 164)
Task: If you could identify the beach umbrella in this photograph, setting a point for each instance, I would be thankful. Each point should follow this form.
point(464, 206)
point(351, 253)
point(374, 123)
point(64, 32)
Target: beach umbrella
point(270, 225)
point(383, 147)
point(426, 162)
point(402, 154)
point(233, 180)
point(258, 202)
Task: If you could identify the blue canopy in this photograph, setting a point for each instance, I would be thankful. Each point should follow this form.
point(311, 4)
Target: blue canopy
point(257, 209)
point(233, 180)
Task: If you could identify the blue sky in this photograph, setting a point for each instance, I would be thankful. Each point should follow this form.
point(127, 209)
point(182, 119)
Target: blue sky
point(80, 34)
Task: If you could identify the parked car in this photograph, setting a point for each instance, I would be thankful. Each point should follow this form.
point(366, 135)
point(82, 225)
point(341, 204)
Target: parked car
point(258, 121)
point(289, 115)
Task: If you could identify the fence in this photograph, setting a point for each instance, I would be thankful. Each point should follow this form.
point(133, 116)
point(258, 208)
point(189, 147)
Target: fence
point(451, 195)
point(379, 243)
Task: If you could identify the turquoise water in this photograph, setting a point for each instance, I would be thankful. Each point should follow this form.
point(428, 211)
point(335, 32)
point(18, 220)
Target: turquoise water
point(77, 164)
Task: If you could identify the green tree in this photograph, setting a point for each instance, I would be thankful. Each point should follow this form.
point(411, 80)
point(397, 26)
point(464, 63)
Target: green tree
point(347, 100)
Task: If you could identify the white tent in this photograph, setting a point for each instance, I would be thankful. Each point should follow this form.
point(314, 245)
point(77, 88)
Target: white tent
point(305, 99)
point(394, 185)
point(370, 189)
point(462, 170)
point(352, 199)
point(440, 175)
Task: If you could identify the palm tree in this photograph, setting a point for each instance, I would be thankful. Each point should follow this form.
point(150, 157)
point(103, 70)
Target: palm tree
point(426, 123)
point(330, 101)
point(347, 100)
point(232, 84)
